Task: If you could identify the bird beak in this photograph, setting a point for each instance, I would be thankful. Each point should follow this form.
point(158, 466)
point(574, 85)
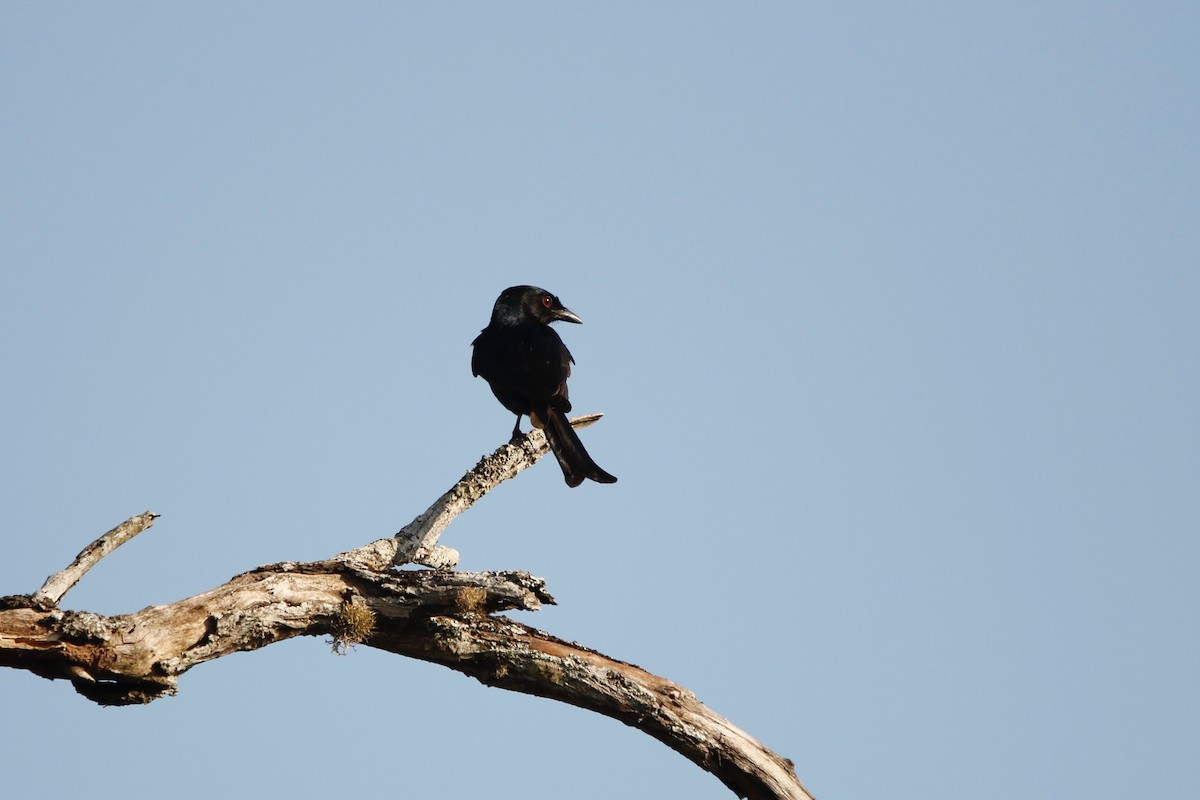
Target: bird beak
point(567, 315)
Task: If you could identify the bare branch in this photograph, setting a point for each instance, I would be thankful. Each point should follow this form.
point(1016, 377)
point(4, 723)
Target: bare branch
point(500, 652)
point(448, 618)
point(135, 658)
point(437, 616)
point(58, 584)
point(416, 542)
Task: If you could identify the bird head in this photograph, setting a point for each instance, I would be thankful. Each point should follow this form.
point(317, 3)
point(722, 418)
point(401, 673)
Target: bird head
point(521, 304)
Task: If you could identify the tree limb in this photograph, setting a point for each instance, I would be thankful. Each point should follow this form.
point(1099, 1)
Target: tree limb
point(445, 617)
point(500, 652)
point(416, 542)
point(58, 584)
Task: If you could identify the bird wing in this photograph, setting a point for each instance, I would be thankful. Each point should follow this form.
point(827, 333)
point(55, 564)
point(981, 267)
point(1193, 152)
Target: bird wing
point(527, 366)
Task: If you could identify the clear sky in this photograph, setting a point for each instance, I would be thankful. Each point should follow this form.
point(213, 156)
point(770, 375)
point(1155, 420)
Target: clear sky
point(892, 310)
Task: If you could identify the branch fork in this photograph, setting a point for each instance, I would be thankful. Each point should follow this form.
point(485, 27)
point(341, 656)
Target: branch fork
point(356, 597)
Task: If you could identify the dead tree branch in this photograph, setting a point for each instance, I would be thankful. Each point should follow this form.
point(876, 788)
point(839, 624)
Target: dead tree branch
point(416, 542)
point(445, 617)
point(58, 584)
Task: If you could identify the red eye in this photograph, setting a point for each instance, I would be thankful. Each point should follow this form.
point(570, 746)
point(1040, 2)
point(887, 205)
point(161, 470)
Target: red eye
point(547, 300)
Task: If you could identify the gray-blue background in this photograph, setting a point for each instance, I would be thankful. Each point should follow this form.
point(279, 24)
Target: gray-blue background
point(891, 309)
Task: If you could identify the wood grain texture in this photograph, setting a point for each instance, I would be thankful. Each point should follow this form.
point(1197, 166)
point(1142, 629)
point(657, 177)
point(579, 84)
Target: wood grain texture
point(358, 597)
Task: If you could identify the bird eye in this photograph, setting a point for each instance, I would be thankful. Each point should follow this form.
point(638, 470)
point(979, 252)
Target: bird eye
point(547, 300)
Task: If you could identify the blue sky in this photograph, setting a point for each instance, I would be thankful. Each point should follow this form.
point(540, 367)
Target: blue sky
point(891, 310)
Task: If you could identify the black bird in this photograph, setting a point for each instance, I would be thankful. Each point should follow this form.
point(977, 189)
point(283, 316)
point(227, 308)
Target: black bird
point(527, 365)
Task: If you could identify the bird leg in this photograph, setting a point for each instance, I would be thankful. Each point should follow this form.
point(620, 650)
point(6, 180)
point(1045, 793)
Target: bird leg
point(516, 434)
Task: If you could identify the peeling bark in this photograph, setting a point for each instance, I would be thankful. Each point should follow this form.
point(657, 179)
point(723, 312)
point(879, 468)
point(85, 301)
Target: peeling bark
point(445, 617)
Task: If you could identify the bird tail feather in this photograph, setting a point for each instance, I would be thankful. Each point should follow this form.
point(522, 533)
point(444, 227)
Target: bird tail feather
point(569, 450)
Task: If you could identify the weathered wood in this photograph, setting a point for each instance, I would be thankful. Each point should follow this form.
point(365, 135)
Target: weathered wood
point(58, 584)
point(135, 658)
point(416, 542)
point(500, 652)
point(445, 617)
